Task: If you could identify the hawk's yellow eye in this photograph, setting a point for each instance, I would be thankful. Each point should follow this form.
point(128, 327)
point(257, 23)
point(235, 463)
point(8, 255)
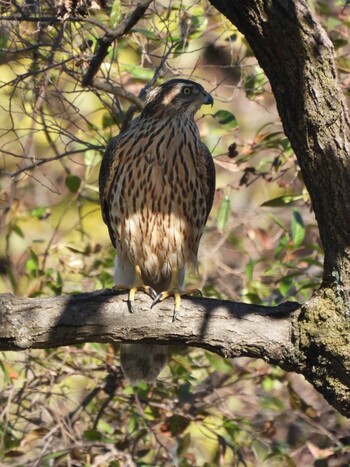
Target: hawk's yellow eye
point(187, 91)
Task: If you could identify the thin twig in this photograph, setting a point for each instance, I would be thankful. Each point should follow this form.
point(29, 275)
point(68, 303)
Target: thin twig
point(37, 163)
point(109, 37)
point(118, 91)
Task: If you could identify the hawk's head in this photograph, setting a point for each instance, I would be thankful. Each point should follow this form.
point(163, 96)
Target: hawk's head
point(177, 96)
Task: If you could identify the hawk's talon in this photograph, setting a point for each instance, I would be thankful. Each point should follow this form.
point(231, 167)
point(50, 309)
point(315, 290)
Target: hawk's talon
point(175, 314)
point(151, 292)
point(132, 292)
point(157, 299)
point(164, 295)
point(177, 297)
point(130, 307)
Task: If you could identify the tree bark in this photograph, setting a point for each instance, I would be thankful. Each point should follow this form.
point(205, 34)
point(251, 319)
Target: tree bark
point(298, 59)
point(227, 328)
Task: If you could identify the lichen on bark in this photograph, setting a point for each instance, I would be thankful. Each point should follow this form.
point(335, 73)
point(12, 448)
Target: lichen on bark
point(324, 339)
point(298, 58)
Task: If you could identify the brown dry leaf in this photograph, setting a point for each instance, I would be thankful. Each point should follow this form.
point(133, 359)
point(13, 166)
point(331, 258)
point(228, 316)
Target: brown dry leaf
point(319, 453)
point(227, 165)
point(34, 435)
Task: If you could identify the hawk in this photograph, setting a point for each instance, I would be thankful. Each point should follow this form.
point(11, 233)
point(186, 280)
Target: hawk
point(157, 183)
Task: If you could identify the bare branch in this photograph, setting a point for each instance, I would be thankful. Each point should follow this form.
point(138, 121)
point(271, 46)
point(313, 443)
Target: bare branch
point(118, 91)
point(39, 161)
point(110, 36)
point(227, 328)
point(276, 334)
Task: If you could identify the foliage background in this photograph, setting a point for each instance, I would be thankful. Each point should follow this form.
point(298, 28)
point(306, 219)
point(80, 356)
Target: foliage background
point(72, 406)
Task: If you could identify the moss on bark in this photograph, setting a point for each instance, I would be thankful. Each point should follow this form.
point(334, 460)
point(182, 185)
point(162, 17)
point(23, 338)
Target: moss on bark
point(324, 338)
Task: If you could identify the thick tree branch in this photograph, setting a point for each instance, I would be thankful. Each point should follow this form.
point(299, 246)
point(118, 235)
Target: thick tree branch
point(227, 328)
point(275, 334)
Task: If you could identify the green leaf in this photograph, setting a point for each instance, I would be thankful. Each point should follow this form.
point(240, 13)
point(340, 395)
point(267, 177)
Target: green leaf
point(249, 270)
point(5, 371)
point(58, 285)
point(116, 14)
point(15, 228)
point(254, 82)
point(225, 118)
point(33, 262)
point(55, 455)
point(285, 285)
point(338, 43)
point(332, 23)
point(223, 213)
point(298, 228)
point(107, 120)
point(145, 32)
point(73, 183)
point(219, 364)
point(103, 425)
point(92, 435)
point(40, 212)
point(253, 298)
point(282, 245)
point(278, 222)
point(198, 25)
point(91, 157)
point(282, 200)
point(183, 444)
point(3, 43)
point(138, 72)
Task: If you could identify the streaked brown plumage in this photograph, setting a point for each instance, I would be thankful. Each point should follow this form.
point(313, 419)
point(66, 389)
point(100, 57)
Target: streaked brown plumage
point(157, 182)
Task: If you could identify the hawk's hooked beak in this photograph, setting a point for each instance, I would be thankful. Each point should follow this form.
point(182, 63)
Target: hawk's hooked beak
point(207, 99)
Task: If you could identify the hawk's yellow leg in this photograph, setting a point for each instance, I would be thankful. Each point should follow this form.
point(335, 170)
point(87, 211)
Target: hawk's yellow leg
point(137, 286)
point(174, 291)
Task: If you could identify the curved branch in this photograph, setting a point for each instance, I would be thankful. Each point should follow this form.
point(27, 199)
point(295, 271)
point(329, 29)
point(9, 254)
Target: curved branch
point(118, 91)
point(230, 329)
point(226, 328)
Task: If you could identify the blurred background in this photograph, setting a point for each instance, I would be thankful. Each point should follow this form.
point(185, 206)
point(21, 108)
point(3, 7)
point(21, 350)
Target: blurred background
point(72, 406)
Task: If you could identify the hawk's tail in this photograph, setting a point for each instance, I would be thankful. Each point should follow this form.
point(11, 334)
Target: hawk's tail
point(140, 362)
point(143, 362)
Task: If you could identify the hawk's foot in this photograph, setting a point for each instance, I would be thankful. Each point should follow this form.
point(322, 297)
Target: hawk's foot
point(132, 292)
point(137, 286)
point(177, 294)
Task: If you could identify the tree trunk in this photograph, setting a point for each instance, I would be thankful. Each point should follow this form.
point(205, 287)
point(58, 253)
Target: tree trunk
point(298, 59)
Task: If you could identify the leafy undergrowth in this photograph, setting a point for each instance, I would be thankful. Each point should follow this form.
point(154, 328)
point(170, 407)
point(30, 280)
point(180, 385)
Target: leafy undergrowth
point(72, 406)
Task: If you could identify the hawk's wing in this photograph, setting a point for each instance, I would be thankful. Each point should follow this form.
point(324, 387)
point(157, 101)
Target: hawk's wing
point(107, 173)
point(210, 178)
